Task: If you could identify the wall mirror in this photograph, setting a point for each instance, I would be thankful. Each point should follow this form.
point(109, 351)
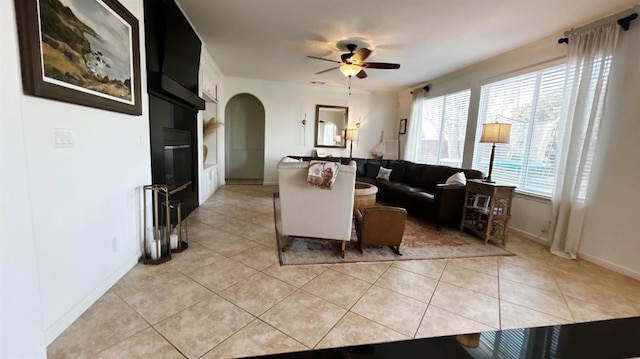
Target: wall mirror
point(331, 121)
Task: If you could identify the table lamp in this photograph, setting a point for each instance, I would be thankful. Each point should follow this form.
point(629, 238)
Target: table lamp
point(494, 133)
point(351, 134)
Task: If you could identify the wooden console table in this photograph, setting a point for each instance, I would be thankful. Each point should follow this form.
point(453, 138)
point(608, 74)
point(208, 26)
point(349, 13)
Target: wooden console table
point(487, 210)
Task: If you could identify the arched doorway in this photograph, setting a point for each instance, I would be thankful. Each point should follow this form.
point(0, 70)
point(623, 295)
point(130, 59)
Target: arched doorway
point(244, 140)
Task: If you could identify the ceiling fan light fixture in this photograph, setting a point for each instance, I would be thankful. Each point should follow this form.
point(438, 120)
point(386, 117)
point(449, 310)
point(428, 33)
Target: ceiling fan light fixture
point(349, 70)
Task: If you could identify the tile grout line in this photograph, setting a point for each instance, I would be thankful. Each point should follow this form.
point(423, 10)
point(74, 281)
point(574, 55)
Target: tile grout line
point(564, 299)
point(234, 196)
point(151, 326)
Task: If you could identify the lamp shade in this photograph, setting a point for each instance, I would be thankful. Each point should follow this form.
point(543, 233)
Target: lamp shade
point(351, 134)
point(496, 133)
point(349, 70)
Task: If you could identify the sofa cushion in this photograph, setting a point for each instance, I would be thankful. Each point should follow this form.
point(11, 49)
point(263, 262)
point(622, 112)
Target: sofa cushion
point(367, 180)
point(373, 167)
point(361, 168)
point(413, 173)
point(419, 197)
point(398, 168)
point(421, 203)
point(432, 175)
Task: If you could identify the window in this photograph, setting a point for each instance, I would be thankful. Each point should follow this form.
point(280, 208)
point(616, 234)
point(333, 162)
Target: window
point(442, 130)
point(531, 103)
point(599, 68)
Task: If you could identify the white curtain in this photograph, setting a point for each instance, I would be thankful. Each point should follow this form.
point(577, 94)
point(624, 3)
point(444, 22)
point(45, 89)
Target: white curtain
point(589, 55)
point(413, 126)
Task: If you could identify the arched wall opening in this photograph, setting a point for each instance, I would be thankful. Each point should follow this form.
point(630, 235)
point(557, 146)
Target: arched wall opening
point(244, 140)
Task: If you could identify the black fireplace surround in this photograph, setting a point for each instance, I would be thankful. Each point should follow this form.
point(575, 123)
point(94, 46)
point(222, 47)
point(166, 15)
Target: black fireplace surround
point(173, 62)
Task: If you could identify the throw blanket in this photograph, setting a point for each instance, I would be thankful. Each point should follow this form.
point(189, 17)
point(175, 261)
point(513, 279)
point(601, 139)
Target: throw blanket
point(322, 174)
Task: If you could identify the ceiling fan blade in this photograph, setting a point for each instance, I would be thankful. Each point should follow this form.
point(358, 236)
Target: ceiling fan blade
point(327, 70)
point(359, 56)
point(380, 65)
point(361, 74)
point(323, 59)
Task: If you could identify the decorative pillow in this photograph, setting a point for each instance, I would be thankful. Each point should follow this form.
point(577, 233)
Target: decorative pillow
point(457, 178)
point(384, 173)
point(289, 159)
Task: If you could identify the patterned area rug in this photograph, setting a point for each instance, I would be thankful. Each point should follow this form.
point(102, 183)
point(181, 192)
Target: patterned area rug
point(421, 241)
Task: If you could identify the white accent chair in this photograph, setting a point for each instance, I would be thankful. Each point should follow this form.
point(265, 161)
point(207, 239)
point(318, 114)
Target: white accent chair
point(311, 212)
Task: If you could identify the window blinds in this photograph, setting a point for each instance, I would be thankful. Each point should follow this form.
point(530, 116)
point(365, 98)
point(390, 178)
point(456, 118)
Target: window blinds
point(443, 128)
point(531, 103)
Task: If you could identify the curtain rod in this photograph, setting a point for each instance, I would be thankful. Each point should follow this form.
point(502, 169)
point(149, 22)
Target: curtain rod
point(624, 19)
point(425, 88)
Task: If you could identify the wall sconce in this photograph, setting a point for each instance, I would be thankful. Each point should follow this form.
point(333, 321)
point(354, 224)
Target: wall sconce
point(351, 134)
point(494, 133)
point(304, 130)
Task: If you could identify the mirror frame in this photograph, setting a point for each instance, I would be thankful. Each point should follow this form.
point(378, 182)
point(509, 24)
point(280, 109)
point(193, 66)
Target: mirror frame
point(344, 126)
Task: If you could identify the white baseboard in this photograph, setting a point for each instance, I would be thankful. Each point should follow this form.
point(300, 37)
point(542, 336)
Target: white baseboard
point(66, 320)
point(589, 258)
point(612, 266)
point(530, 236)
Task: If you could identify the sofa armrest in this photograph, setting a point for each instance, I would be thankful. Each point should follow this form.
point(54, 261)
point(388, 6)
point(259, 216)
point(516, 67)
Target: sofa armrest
point(450, 187)
point(449, 200)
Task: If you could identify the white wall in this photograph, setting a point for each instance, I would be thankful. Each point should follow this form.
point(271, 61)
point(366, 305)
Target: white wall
point(611, 233)
point(21, 333)
point(77, 201)
point(286, 104)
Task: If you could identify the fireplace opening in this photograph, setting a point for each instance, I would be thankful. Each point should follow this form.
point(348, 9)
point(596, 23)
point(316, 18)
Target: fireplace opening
point(177, 159)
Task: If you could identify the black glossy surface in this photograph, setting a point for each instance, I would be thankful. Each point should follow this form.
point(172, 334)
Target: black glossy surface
point(165, 115)
point(618, 338)
point(172, 54)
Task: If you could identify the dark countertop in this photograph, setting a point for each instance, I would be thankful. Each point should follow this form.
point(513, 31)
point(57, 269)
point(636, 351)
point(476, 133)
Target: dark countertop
point(616, 338)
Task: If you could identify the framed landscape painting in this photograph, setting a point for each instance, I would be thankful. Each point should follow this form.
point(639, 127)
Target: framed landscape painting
point(80, 51)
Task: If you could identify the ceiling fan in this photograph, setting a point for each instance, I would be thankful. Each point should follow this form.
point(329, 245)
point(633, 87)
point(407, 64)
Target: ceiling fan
point(353, 64)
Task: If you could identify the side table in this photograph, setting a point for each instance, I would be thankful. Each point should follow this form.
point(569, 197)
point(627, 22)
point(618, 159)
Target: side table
point(364, 195)
point(487, 210)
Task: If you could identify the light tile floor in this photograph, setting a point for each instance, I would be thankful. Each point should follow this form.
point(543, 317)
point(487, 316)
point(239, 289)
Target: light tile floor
point(227, 296)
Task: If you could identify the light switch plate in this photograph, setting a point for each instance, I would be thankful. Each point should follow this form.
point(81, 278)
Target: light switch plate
point(62, 138)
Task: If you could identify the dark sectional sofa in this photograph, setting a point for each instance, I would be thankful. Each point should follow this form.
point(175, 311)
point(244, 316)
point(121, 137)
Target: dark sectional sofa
point(417, 187)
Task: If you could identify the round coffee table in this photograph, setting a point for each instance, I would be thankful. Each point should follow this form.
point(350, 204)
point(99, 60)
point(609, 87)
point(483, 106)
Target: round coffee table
point(364, 195)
